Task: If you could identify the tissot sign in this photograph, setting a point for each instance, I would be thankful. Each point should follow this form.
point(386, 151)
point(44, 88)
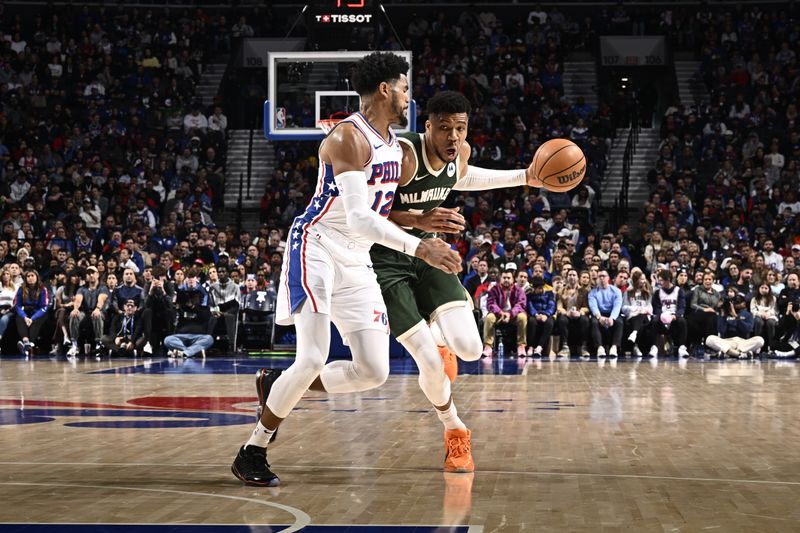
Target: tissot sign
point(342, 12)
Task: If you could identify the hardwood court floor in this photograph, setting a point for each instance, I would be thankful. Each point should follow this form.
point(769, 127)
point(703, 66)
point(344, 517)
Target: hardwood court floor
point(559, 446)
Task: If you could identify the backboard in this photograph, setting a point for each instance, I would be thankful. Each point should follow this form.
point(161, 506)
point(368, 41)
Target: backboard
point(304, 87)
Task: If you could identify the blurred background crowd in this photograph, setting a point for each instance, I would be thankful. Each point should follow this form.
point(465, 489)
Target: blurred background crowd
point(112, 174)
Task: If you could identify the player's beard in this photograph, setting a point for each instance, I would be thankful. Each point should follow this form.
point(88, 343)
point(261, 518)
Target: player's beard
point(402, 119)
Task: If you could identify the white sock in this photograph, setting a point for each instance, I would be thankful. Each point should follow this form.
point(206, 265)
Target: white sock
point(260, 436)
point(449, 417)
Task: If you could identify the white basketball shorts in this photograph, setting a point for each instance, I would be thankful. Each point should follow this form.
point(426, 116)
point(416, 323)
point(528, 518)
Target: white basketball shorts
point(331, 275)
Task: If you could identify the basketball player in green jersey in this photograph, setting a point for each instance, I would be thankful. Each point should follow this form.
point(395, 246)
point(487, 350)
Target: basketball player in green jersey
point(418, 298)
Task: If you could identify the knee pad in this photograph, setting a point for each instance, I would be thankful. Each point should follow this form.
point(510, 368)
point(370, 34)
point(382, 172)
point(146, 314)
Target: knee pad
point(460, 332)
point(308, 367)
point(422, 347)
point(370, 350)
point(373, 375)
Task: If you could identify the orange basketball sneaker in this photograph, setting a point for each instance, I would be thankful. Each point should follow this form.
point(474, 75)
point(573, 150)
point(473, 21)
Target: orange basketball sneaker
point(458, 451)
point(450, 363)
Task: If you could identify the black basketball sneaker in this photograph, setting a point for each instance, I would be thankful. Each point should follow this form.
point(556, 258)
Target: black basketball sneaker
point(252, 468)
point(265, 377)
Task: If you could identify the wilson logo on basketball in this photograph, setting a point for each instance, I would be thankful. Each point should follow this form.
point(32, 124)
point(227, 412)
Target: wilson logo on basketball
point(572, 176)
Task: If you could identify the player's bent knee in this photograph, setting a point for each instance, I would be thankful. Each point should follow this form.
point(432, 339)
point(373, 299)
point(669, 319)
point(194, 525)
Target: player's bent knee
point(309, 368)
point(373, 375)
point(429, 361)
point(467, 347)
point(459, 330)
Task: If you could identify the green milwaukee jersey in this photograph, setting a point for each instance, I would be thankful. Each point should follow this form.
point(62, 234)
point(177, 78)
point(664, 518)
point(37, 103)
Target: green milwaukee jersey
point(428, 188)
point(412, 289)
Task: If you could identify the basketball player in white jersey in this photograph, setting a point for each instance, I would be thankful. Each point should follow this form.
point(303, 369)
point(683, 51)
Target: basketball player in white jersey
point(327, 273)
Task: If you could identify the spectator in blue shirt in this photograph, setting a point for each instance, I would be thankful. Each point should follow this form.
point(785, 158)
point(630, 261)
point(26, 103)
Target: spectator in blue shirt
point(31, 305)
point(605, 304)
point(541, 313)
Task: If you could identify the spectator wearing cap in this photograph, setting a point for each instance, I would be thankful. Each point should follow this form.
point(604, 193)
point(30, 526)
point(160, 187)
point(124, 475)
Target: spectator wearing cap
point(506, 304)
point(683, 281)
point(605, 305)
point(90, 214)
point(541, 309)
point(89, 307)
point(127, 333)
point(192, 332)
point(31, 304)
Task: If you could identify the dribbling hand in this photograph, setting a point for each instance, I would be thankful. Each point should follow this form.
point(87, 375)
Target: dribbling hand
point(531, 178)
point(438, 253)
point(442, 220)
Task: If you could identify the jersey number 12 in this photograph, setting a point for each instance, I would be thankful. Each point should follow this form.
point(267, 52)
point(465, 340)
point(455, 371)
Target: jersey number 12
point(383, 203)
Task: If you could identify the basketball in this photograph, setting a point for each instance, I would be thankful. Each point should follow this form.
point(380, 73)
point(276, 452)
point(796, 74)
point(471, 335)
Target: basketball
point(559, 164)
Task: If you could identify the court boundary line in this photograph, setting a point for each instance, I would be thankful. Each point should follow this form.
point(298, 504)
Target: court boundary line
point(383, 469)
point(470, 528)
point(302, 519)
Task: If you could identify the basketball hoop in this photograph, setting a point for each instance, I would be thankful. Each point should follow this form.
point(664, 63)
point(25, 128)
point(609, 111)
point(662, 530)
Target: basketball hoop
point(327, 124)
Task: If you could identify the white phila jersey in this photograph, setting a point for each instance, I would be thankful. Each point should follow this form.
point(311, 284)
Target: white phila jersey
point(383, 174)
point(669, 300)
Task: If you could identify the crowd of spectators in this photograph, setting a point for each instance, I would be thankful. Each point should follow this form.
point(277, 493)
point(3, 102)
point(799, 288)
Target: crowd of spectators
point(712, 265)
point(111, 169)
point(723, 191)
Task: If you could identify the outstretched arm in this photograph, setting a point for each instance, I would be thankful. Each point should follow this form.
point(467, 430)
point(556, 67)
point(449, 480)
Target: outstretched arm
point(479, 179)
